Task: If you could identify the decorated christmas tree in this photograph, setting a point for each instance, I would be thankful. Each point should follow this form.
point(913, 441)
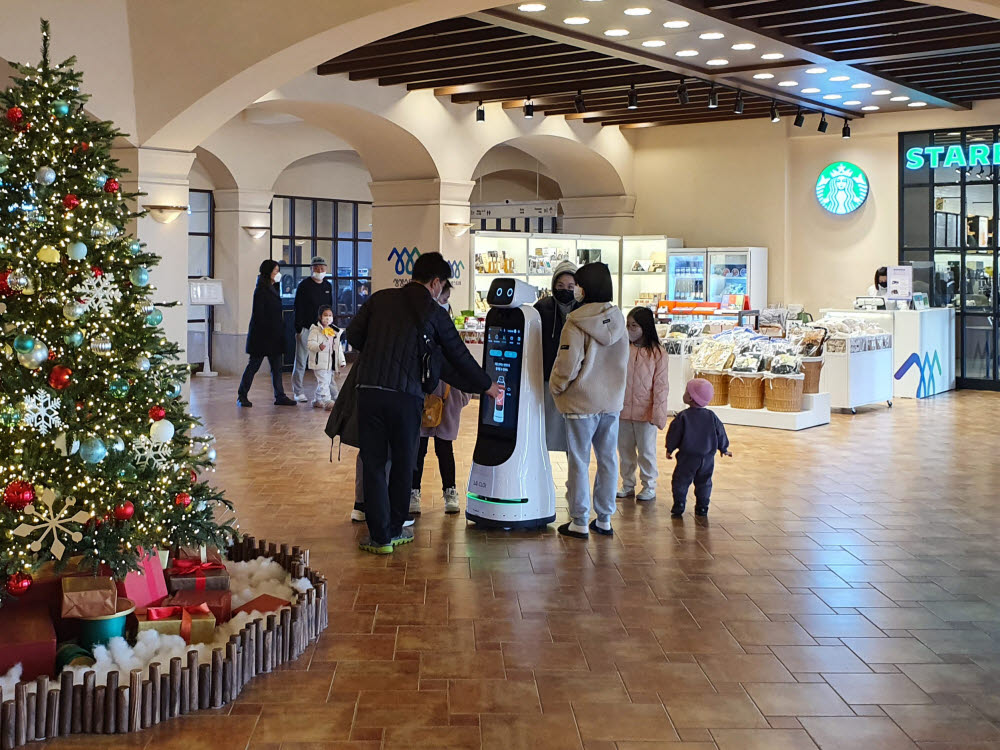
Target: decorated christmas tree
point(97, 457)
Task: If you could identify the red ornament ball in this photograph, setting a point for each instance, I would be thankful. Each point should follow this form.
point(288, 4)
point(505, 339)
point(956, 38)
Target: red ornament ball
point(157, 413)
point(111, 186)
point(125, 511)
point(18, 584)
point(15, 115)
point(97, 271)
point(194, 477)
point(60, 377)
point(183, 499)
point(4, 286)
point(18, 495)
point(70, 202)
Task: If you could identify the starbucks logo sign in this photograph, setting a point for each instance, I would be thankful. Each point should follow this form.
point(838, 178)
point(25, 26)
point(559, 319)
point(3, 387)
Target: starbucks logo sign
point(842, 188)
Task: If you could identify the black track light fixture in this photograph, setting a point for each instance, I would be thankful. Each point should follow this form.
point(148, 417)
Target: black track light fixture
point(579, 103)
point(799, 118)
point(823, 124)
point(682, 93)
point(480, 113)
point(633, 98)
point(845, 132)
point(774, 112)
point(713, 98)
point(529, 108)
point(738, 107)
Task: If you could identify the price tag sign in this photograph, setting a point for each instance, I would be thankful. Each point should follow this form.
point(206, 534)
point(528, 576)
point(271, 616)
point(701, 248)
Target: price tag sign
point(899, 282)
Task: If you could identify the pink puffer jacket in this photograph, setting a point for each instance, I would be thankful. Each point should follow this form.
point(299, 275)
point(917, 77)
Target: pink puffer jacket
point(646, 386)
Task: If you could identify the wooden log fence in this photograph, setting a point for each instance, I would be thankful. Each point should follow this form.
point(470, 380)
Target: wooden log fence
point(136, 700)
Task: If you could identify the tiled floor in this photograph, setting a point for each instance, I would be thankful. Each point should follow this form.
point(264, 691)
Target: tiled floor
point(844, 594)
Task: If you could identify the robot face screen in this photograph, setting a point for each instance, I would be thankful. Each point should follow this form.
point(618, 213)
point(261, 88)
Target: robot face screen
point(501, 292)
point(502, 361)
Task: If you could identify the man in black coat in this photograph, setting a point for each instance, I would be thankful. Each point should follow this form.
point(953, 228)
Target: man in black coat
point(265, 336)
point(392, 331)
point(312, 294)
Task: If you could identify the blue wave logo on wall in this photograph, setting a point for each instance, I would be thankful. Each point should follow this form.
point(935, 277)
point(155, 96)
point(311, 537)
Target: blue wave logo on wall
point(404, 260)
point(457, 266)
point(928, 384)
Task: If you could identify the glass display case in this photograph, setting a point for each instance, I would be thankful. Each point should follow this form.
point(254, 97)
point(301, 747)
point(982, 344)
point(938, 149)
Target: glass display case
point(735, 272)
point(686, 276)
point(495, 255)
point(644, 269)
point(545, 253)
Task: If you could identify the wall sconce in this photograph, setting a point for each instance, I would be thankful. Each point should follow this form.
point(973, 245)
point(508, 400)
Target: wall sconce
point(456, 229)
point(165, 214)
point(255, 232)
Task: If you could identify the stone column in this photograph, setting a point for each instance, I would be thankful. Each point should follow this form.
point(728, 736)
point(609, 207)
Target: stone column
point(410, 215)
point(604, 215)
point(237, 259)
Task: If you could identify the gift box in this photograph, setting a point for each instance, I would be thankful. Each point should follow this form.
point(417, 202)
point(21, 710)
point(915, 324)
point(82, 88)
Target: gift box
point(145, 587)
point(220, 602)
point(88, 596)
point(195, 624)
point(201, 554)
point(263, 603)
point(186, 574)
point(46, 585)
point(27, 637)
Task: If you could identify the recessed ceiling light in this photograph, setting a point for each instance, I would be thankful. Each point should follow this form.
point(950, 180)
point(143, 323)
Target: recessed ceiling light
point(687, 53)
point(815, 71)
point(772, 56)
point(870, 108)
point(788, 83)
point(576, 20)
point(900, 99)
point(953, 132)
point(852, 103)
point(616, 32)
point(717, 61)
point(831, 97)
point(810, 91)
point(861, 85)
point(917, 104)
point(531, 8)
point(712, 35)
point(763, 76)
point(881, 92)
point(654, 43)
point(744, 46)
point(676, 24)
point(637, 11)
point(838, 79)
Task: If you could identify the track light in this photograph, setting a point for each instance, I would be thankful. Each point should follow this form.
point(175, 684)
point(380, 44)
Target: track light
point(823, 124)
point(846, 130)
point(713, 98)
point(774, 112)
point(633, 98)
point(682, 93)
point(738, 107)
point(579, 104)
point(529, 109)
point(799, 118)
point(480, 113)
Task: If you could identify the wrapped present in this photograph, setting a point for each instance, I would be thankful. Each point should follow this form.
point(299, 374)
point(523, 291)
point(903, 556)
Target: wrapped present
point(88, 596)
point(220, 602)
point(201, 554)
point(195, 624)
point(148, 586)
point(198, 576)
point(28, 638)
point(263, 603)
point(46, 586)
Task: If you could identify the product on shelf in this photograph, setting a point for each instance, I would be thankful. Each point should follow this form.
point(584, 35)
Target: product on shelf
point(785, 364)
point(713, 355)
point(853, 335)
point(544, 260)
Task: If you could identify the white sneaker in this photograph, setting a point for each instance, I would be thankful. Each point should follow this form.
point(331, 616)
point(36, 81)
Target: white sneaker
point(414, 501)
point(358, 516)
point(409, 522)
point(301, 398)
point(451, 501)
point(625, 492)
point(317, 404)
point(646, 494)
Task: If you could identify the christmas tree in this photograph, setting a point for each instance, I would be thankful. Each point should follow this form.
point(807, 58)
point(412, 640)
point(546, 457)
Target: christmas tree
point(96, 452)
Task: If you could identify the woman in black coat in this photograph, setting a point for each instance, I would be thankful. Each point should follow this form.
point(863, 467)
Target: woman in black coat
point(265, 336)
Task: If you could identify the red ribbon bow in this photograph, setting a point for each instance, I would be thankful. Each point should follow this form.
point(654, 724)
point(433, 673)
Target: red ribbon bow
point(154, 614)
point(185, 567)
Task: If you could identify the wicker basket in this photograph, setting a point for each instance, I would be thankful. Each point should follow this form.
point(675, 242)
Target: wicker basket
point(783, 393)
point(720, 382)
point(746, 390)
point(811, 368)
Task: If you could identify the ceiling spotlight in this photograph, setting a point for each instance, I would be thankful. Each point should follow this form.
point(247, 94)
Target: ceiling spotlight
point(712, 35)
point(713, 98)
point(917, 104)
point(815, 71)
point(480, 113)
point(839, 79)
point(774, 112)
point(738, 107)
point(687, 53)
point(744, 46)
point(531, 7)
point(799, 118)
point(637, 11)
point(772, 56)
point(576, 20)
point(633, 98)
point(870, 108)
point(682, 93)
point(676, 25)
point(763, 76)
point(578, 103)
point(845, 132)
point(823, 124)
point(616, 32)
point(654, 43)
point(861, 85)
point(810, 91)
point(529, 109)
point(899, 99)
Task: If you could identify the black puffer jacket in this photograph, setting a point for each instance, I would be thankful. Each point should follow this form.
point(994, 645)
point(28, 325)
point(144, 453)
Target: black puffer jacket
point(552, 320)
point(385, 331)
point(266, 332)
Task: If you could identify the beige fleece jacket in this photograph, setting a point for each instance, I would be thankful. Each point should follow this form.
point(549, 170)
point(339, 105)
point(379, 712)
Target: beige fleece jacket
point(588, 376)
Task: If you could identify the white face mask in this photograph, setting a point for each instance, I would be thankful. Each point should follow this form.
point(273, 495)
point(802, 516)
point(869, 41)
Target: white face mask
point(634, 336)
point(327, 321)
point(578, 294)
point(445, 306)
point(318, 276)
point(277, 278)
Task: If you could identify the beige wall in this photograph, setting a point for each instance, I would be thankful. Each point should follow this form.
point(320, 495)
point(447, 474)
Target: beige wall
point(339, 174)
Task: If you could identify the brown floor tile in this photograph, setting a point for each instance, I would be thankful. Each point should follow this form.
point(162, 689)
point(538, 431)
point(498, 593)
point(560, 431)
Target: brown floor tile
point(550, 656)
point(744, 668)
point(479, 696)
point(838, 626)
point(908, 618)
point(958, 641)
point(892, 650)
point(557, 688)
point(665, 679)
point(459, 664)
point(218, 732)
point(289, 687)
point(709, 611)
point(398, 708)
point(355, 647)
point(376, 675)
point(769, 633)
point(713, 638)
point(313, 723)
point(713, 711)
point(512, 631)
point(613, 722)
point(810, 579)
point(948, 678)
point(788, 604)
point(820, 658)
point(880, 689)
point(854, 598)
point(867, 573)
point(943, 723)
point(797, 700)
point(526, 732)
point(459, 637)
point(763, 739)
point(749, 585)
point(845, 733)
point(438, 738)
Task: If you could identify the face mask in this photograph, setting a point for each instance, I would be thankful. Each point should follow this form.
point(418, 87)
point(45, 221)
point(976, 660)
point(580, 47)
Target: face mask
point(563, 296)
point(277, 278)
point(634, 336)
point(445, 306)
point(327, 321)
point(318, 276)
point(578, 294)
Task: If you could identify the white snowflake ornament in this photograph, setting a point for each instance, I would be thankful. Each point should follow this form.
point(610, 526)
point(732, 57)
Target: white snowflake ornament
point(147, 453)
point(51, 521)
point(41, 411)
point(99, 293)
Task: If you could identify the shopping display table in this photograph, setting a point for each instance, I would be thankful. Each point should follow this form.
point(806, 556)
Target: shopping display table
point(856, 379)
point(679, 372)
point(815, 412)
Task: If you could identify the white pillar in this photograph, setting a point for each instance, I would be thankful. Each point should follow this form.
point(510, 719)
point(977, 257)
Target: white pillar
point(411, 214)
point(606, 214)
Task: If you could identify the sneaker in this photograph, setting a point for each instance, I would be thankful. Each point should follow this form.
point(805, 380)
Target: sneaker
point(368, 545)
point(602, 527)
point(405, 537)
point(316, 404)
point(646, 495)
point(243, 401)
point(701, 510)
point(574, 530)
point(357, 516)
point(415, 501)
point(625, 492)
point(328, 406)
point(284, 401)
point(410, 520)
point(451, 501)
point(677, 510)
point(301, 398)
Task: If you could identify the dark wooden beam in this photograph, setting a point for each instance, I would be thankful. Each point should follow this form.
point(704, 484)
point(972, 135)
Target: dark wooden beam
point(768, 7)
point(474, 62)
point(914, 68)
point(920, 19)
point(888, 9)
point(608, 66)
point(694, 117)
point(943, 79)
point(881, 53)
point(511, 90)
point(875, 37)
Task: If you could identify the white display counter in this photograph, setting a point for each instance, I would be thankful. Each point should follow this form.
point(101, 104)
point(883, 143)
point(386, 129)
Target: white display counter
point(815, 412)
point(679, 372)
point(923, 348)
point(856, 379)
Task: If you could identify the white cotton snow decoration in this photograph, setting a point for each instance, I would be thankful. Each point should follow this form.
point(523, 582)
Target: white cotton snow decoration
point(9, 680)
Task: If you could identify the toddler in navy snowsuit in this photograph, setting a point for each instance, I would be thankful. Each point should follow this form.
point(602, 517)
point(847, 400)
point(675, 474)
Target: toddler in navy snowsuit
point(695, 434)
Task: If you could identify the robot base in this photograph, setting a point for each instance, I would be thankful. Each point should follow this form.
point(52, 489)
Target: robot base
point(494, 523)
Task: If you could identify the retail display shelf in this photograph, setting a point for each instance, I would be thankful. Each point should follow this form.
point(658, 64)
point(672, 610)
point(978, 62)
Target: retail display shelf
point(815, 412)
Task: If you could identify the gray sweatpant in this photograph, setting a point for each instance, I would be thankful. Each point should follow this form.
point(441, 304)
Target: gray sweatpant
point(637, 447)
point(601, 432)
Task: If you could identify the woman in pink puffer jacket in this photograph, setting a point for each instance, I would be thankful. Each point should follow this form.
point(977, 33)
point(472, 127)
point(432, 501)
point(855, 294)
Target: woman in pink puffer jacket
point(645, 409)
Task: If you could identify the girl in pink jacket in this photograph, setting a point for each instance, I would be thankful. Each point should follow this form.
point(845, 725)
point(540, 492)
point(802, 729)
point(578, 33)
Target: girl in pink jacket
point(645, 409)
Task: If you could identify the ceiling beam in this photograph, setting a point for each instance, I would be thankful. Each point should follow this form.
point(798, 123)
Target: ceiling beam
point(886, 9)
point(473, 62)
point(919, 16)
point(914, 35)
point(785, 8)
point(915, 68)
point(529, 77)
point(869, 56)
point(509, 45)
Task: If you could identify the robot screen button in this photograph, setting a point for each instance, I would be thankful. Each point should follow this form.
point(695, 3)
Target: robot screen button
point(510, 355)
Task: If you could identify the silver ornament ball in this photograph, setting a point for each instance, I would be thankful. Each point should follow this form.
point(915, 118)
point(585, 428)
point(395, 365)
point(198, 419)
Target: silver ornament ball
point(45, 176)
point(100, 344)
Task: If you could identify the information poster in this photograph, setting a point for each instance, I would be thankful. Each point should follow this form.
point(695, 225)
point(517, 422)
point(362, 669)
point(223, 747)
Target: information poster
point(900, 283)
point(502, 363)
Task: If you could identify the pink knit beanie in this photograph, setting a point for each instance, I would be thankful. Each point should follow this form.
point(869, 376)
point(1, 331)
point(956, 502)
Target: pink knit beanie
point(699, 392)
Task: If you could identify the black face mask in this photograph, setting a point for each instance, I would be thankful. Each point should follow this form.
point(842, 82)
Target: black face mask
point(563, 296)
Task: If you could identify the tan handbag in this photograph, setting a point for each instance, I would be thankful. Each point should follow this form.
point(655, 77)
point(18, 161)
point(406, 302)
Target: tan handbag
point(434, 408)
